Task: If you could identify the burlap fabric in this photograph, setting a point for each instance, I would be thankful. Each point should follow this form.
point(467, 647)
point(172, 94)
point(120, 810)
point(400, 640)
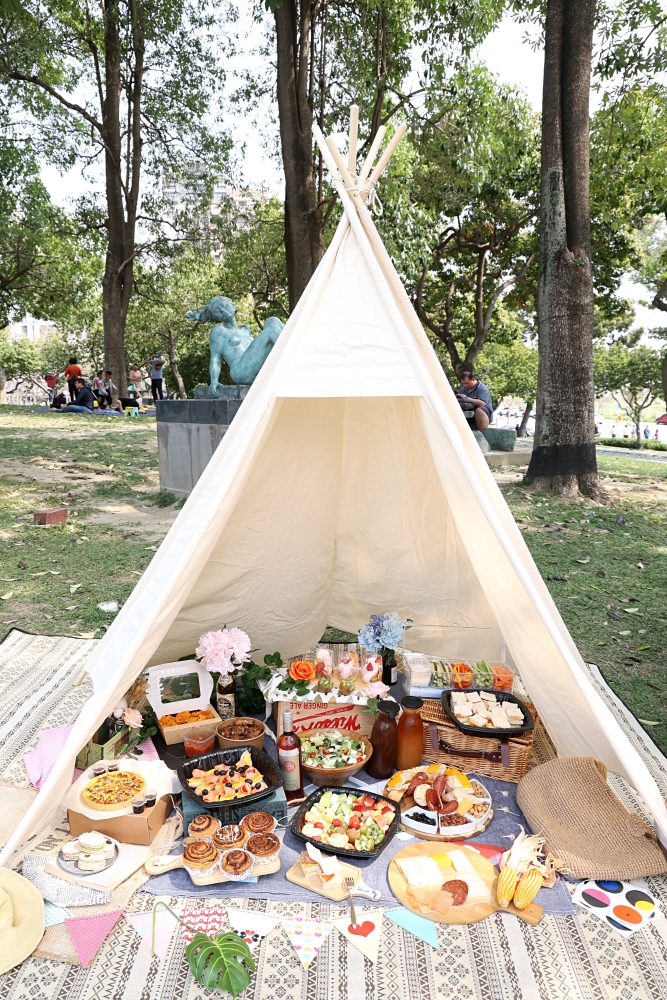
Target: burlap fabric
point(569, 802)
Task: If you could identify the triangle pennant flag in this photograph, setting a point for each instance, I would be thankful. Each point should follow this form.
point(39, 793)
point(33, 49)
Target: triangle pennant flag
point(207, 919)
point(165, 925)
point(365, 934)
point(88, 933)
point(306, 936)
point(419, 926)
point(252, 927)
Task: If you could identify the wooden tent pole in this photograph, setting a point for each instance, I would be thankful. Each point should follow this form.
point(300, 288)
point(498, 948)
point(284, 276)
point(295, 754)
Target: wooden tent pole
point(384, 159)
point(377, 142)
point(352, 144)
point(349, 180)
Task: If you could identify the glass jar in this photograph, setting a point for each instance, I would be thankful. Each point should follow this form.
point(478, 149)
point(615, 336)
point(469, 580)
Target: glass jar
point(384, 737)
point(348, 671)
point(410, 732)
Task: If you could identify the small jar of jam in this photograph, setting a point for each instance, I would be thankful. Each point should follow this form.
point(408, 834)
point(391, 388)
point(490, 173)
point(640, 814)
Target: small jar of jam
point(150, 795)
point(138, 804)
point(199, 741)
point(99, 770)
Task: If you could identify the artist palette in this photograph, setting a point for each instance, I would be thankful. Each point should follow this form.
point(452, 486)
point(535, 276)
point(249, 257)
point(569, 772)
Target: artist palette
point(622, 905)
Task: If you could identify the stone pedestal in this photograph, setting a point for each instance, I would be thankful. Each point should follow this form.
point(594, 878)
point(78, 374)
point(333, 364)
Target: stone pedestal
point(188, 432)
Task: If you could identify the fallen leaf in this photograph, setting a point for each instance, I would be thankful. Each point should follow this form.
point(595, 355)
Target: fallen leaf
point(43, 573)
point(627, 632)
point(5, 597)
point(74, 589)
point(638, 648)
point(631, 611)
point(601, 642)
point(54, 572)
point(72, 607)
point(88, 635)
point(647, 722)
point(586, 560)
point(8, 579)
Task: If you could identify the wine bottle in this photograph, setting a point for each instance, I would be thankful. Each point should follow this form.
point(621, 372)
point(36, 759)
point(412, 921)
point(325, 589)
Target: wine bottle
point(289, 758)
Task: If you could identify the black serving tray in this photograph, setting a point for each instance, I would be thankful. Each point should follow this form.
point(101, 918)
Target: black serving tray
point(265, 765)
point(342, 852)
point(501, 696)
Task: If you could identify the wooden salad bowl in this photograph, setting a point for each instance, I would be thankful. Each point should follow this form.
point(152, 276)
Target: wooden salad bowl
point(334, 776)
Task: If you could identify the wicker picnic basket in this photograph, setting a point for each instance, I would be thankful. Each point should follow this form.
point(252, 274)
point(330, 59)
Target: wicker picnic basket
point(444, 743)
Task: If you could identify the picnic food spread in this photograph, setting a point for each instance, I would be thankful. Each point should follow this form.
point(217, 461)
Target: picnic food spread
point(331, 749)
point(482, 709)
point(348, 821)
point(113, 790)
point(227, 781)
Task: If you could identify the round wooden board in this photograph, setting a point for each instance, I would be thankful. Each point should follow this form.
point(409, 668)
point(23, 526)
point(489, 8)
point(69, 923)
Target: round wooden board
point(407, 802)
point(469, 913)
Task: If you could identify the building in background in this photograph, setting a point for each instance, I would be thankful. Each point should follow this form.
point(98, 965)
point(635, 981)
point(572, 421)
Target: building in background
point(29, 328)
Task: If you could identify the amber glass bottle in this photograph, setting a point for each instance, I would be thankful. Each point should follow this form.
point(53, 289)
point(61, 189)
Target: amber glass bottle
point(383, 738)
point(410, 734)
point(289, 758)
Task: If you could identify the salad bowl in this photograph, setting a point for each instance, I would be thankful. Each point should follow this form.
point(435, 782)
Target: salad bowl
point(324, 753)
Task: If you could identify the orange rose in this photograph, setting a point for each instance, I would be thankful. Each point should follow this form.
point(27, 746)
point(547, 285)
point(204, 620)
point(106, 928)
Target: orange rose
point(302, 670)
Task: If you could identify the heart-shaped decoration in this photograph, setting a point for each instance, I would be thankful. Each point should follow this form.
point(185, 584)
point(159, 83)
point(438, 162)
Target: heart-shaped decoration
point(363, 930)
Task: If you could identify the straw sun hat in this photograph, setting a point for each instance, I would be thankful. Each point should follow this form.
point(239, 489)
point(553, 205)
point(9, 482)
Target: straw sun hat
point(21, 919)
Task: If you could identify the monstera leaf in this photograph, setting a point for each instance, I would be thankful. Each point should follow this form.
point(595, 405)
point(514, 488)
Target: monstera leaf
point(214, 962)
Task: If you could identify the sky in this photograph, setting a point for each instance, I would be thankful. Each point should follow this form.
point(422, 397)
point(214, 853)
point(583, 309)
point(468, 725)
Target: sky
point(506, 52)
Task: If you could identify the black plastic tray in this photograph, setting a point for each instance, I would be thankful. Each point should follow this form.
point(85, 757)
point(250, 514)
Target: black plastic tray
point(342, 852)
point(265, 765)
point(529, 721)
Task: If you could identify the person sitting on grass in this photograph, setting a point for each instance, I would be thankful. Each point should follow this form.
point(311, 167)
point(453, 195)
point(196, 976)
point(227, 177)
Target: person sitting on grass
point(84, 399)
point(59, 401)
point(474, 391)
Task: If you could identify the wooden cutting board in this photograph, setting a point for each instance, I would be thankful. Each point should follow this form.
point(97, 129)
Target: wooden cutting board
point(469, 913)
point(315, 883)
point(218, 876)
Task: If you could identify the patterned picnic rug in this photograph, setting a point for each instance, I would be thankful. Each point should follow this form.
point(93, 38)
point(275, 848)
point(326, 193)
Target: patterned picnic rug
point(500, 958)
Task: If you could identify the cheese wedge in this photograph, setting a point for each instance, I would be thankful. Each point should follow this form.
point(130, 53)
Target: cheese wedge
point(464, 806)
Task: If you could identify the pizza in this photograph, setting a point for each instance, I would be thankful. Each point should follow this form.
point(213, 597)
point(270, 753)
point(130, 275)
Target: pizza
point(112, 791)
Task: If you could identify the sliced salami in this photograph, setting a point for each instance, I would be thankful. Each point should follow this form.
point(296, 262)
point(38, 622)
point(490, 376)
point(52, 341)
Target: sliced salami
point(458, 889)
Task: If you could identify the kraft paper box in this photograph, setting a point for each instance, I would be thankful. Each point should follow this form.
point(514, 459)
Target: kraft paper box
point(352, 719)
point(138, 828)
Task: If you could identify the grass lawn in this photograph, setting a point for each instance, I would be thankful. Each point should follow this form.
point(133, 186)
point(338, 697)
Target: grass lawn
point(606, 567)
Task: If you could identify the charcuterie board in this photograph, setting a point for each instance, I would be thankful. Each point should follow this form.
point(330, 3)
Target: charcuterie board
point(468, 913)
point(315, 884)
point(407, 803)
point(153, 867)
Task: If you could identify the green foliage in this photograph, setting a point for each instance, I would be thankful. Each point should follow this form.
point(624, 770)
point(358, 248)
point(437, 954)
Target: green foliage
point(509, 370)
point(214, 962)
point(250, 699)
point(19, 358)
point(633, 376)
point(629, 443)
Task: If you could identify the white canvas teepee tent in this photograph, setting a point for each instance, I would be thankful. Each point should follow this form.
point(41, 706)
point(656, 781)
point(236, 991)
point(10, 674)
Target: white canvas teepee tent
point(349, 484)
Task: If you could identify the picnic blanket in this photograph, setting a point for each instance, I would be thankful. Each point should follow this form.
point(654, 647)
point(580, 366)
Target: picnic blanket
point(573, 957)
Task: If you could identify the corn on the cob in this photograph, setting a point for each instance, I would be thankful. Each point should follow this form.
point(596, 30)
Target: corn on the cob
point(506, 885)
point(527, 888)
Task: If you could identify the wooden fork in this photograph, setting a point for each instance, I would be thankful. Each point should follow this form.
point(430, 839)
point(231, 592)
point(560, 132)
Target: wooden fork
point(349, 882)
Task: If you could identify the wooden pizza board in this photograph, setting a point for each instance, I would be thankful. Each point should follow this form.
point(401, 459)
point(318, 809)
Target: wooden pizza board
point(469, 913)
point(315, 884)
point(218, 876)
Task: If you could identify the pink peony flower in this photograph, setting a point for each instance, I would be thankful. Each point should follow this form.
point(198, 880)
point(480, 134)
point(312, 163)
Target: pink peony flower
point(376, 689)
point(132, 718)
point(224, 649)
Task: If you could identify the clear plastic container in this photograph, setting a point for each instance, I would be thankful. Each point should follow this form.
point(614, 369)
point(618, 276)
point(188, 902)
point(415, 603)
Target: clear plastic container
point(416, 669)
point(461, 675)
point(440, 674)
point(503, 676)
point(483, 674)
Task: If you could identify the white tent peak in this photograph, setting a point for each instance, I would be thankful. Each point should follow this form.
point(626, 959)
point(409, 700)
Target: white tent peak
point(350, 484)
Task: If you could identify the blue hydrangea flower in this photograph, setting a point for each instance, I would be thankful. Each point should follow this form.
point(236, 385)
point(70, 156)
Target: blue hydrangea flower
point(391, 635)
point(369, 639)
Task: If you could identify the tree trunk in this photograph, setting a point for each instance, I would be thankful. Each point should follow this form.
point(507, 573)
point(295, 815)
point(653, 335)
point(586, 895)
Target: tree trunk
point(564, 454)
point(3, 386)
point(664, 380)
point(121, 204)
point(173, 364)
point(303, 223)
point(523, 426)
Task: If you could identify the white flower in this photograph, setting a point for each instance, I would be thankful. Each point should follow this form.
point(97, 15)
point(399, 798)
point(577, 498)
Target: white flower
point(223, 649)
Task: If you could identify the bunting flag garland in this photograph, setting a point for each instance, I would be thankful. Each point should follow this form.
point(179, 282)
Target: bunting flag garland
point(306, 937)
point(365, 934)
point(88, 933)
point(412, 922)
point(165, 926)
point(251, 926)
point(207, 919)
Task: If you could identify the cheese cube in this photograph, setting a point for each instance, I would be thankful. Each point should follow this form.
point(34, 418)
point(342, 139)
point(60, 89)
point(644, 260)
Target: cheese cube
point(464, 806)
